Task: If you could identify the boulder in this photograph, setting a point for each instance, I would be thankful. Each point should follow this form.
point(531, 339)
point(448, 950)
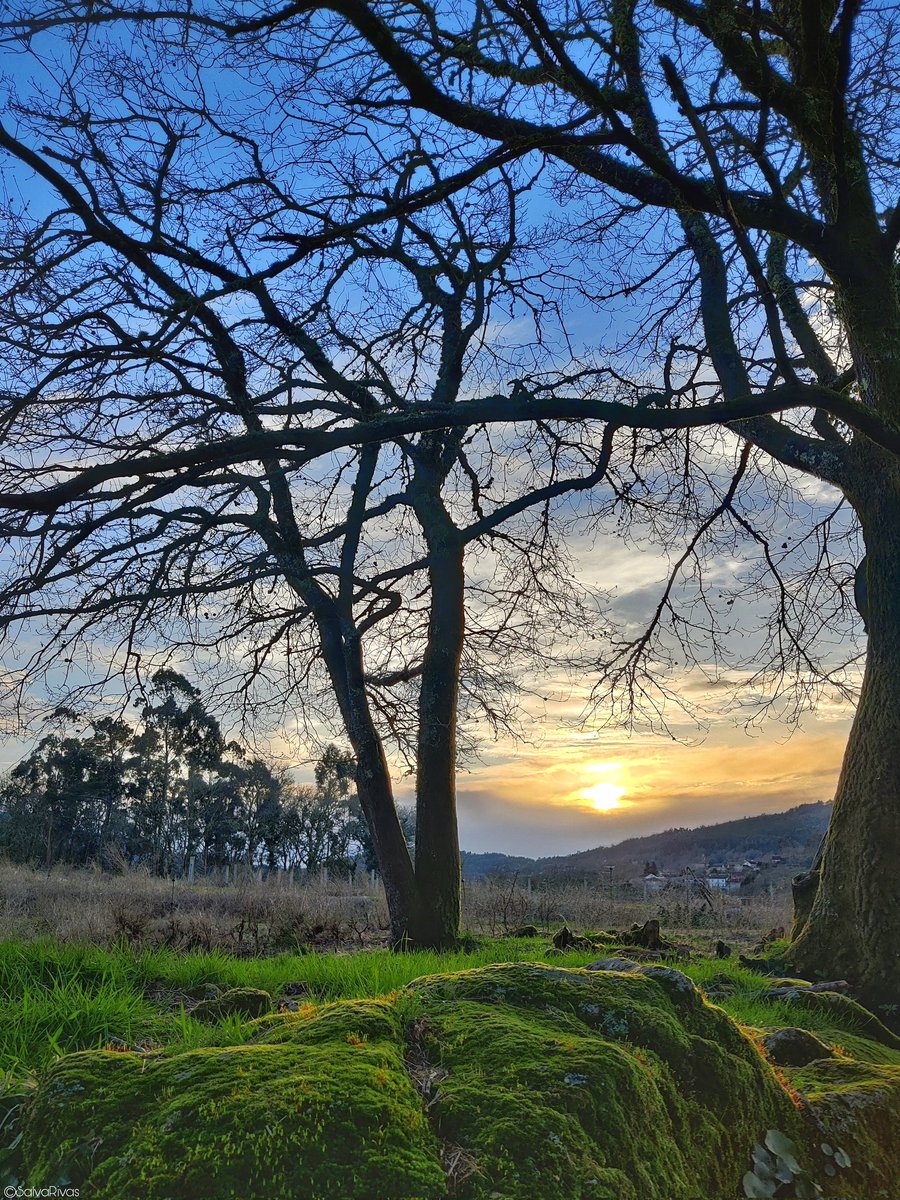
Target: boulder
point(647, 935)
point(516, 1081)
point(513, 1081)
point(857, 1105)
point(322, 1108)
point(236, 1002)
point(794, 1047)
point(565, 939)
point(838, 1010)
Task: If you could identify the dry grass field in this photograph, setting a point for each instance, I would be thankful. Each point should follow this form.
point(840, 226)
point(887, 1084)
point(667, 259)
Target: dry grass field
point(252, 916)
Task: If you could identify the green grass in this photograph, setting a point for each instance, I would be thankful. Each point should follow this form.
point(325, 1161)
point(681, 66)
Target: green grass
point(332, 976)
point(56, 998)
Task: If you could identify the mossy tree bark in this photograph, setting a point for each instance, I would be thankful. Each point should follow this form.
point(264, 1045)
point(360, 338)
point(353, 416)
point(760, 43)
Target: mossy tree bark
point(849, 929)
point(843, 922)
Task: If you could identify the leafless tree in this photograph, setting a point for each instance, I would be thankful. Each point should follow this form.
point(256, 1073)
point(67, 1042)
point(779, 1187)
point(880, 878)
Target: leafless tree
point(740, 160)
point(736, 165)
point(183, 461)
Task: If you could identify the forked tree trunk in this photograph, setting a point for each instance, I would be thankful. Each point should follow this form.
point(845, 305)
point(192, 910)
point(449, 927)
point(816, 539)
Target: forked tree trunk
point(376, 796)
point(342, 652)
point(850, 928)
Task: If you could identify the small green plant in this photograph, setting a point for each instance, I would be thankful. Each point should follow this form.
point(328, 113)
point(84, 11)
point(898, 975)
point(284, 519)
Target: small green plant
point(838, 1158)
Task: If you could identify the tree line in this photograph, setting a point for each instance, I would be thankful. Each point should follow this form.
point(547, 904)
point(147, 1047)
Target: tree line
point(170, 789)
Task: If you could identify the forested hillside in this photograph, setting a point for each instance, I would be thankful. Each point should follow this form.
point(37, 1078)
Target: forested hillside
point(794, 835)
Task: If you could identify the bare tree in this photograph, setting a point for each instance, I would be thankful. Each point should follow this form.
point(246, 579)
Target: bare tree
point(186, 461)
point(753, 150)
point(741, 163)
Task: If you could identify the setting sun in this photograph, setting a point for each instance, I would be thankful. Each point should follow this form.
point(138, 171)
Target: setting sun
point(604, 796)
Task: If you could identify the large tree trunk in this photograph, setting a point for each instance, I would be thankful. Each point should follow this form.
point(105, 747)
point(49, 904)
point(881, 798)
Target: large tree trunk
point(437, 837)
point(850, 930)
point(373, 783)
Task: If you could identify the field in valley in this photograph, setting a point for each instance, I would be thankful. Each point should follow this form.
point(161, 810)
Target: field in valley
point(251, 915)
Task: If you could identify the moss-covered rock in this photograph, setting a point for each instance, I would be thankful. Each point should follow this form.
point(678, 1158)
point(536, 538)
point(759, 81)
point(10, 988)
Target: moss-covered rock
point(509, 1082)
point(236, 1002)
point(328, 1111)
point(843, 1013)
point(857, 1107)
point(612, 964)
point(564, 1084)
point(852, 1095)
point(794, 1047)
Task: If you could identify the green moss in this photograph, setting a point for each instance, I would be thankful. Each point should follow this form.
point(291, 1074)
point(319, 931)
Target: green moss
point(365, 1020)
point(327, 1113)
point(566, 1084)
point(514, 1082)
point(864, 1049)
point(840, 1012)
point(236, 1002)
point(857, 1107)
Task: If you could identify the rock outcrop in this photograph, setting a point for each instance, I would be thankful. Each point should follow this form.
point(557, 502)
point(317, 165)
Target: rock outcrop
point(513, 1081)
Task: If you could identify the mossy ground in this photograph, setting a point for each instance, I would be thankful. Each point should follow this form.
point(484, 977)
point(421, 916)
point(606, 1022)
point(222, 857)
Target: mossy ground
point(504, 1081)
point(566, 1084)
point(326, 1112)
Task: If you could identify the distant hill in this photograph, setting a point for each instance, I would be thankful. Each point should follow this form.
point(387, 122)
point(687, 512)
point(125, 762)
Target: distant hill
point(475, 866)
point(794, 835)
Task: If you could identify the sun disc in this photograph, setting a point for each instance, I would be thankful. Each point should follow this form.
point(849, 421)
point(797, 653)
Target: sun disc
point(604, 797)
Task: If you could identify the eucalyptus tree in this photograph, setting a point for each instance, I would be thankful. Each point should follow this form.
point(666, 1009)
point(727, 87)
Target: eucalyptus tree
point(183, 740)
point(106, 790)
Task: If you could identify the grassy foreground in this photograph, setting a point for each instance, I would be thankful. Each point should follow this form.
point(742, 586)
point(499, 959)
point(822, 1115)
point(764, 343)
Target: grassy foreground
point(501, 1071)
point(58, 998)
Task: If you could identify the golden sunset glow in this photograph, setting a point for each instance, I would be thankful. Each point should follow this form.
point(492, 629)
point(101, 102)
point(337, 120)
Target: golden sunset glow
point(604, 796)
point(606, 793)
point(568, 795)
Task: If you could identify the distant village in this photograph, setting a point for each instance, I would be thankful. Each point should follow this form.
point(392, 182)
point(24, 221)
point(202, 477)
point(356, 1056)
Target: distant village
point(720, 877)
point(755, 854)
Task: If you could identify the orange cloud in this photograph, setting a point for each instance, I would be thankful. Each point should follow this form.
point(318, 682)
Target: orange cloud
point(540, 802)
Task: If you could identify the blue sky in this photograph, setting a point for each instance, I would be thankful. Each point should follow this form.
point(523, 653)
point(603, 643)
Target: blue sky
point(575, 780)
